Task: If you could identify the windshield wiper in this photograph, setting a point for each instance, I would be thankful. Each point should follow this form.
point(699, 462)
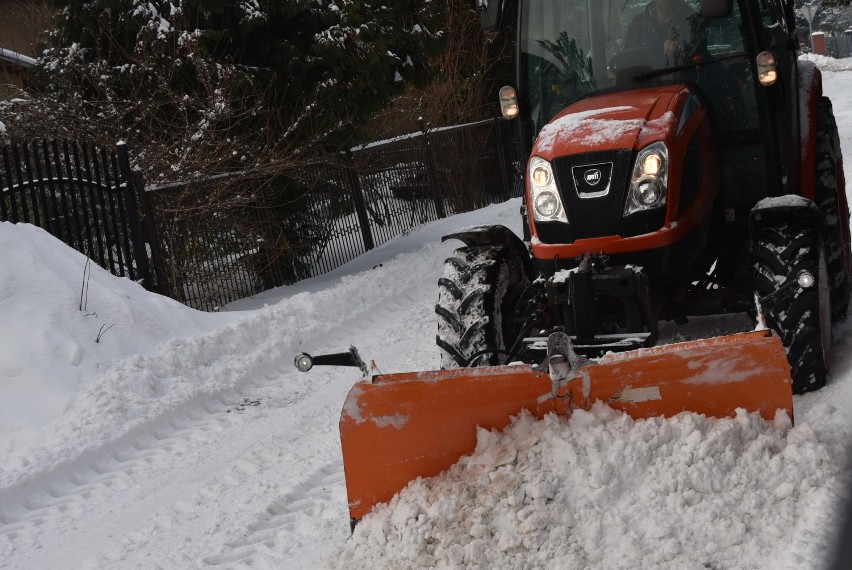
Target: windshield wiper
point(642, 76)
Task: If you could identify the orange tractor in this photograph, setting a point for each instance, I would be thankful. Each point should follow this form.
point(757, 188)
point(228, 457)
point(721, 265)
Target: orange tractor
point(680, 161)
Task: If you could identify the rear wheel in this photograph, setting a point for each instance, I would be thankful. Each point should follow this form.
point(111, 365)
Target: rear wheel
point(477, 305)
point(835, 217)
point(800, 316)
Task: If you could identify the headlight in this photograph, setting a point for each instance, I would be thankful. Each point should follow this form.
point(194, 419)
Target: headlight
point(650, 179)
point(652, 164)
point(547, 204)
point(649, 192)
point(544, 195)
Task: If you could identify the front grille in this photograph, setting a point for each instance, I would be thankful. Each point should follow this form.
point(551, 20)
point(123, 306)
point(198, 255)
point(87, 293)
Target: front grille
point(593, 187)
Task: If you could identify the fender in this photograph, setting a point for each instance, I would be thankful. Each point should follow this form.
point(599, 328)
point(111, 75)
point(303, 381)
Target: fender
point(770, 211)
point(499, 236)
point(810, 91)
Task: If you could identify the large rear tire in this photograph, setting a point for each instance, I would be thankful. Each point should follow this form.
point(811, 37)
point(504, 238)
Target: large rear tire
point(800, 316)
point(829, 182)
point(477, 307)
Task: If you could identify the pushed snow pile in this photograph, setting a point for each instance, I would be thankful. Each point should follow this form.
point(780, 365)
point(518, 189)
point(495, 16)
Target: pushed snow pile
point(604, 491)
point(826, 63)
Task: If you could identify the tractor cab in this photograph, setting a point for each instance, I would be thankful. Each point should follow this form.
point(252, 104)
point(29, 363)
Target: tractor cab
point(737, 56)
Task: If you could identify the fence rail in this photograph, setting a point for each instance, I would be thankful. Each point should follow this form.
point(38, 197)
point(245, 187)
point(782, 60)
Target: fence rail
point(214, 241)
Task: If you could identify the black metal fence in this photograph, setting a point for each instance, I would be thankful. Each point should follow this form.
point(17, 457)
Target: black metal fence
point(215, 241)
point(224, 238)
point(81, 194)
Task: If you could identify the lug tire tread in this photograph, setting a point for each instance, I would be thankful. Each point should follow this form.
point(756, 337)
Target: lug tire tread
point(828, 152)
point(471, 295)
point(779, 253)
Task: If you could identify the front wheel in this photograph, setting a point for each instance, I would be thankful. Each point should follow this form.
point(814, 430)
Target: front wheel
point(477, 308)
point(800, 316)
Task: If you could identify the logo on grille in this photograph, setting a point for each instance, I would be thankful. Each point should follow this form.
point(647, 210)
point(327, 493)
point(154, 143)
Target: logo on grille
point(593, 176)
point(592, 180)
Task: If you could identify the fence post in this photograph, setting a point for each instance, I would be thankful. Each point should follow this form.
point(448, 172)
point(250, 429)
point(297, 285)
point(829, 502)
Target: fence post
point(432, 171)
point(358, 199)
point(151, 235)
point(140, 254)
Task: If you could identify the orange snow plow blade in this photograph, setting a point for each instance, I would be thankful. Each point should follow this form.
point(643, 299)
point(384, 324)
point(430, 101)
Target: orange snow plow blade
point(397, 427)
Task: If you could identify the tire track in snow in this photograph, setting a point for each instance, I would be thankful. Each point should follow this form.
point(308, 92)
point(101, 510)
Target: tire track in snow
point(49, 494)
point(283, 516)
point(55, 493)
point(52, 497)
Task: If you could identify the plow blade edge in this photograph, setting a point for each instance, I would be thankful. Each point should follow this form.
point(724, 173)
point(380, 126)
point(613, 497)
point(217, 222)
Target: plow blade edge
point(398, 427)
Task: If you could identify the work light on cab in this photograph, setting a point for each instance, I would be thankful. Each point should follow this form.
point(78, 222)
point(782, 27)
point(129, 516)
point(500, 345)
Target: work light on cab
point(509, 102)
point(767, 70)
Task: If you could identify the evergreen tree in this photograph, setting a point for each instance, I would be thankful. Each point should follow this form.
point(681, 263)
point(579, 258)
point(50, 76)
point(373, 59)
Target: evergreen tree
point(188, 78)
point(351, 56)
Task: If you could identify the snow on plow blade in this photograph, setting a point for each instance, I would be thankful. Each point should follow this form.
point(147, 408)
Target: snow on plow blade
point(395, 428)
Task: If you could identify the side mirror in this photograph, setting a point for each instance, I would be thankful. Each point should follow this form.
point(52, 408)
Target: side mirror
point(716, 8)
point(490, 14)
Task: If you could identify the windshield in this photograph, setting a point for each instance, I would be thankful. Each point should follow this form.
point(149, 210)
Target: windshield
point(570, 49)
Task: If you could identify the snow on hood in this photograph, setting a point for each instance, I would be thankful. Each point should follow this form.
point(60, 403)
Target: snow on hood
point(590, 127)
point(598, 123)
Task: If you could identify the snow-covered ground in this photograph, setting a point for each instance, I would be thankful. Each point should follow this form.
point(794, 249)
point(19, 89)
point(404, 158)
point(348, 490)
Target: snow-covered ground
point(138, 433)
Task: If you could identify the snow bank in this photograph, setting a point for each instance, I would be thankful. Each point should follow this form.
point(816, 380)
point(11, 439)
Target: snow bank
point(826, 63)
point(64, 321)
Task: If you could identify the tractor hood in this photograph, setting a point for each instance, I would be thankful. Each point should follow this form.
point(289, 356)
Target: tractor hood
point(624, 120)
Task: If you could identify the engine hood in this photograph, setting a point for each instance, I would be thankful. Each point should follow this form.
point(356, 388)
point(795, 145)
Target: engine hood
point(625, 120)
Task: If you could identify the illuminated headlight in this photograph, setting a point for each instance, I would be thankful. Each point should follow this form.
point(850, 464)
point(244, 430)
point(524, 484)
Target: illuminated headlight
point(652, 164)
point(544, 195)
point(650, 179)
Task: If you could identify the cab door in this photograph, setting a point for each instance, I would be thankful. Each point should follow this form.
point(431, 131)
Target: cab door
point(774, 33)
point(752, 121)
